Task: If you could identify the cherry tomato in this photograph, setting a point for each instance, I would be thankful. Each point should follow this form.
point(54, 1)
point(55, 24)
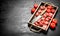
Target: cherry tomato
point(45, 15)
point(50, 15)
point(46, 22)
point(41, 23)
point(54, 21)
point(35, 5)
point(48, 18)
point(36, 23)
point(37, 14)
point(49, 7)
point(39, 10)
point(42, 7)
point(32, 10)
point(53, 10)
point(52, 25)
point(48, 10)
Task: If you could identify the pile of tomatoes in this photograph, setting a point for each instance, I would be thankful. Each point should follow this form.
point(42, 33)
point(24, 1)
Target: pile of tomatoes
point(46, 17)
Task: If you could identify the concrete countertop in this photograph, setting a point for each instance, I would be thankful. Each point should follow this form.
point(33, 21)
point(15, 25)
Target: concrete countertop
point(15, 15)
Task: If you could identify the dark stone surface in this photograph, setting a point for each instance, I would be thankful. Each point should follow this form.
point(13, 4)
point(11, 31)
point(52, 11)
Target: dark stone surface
point(15, 15)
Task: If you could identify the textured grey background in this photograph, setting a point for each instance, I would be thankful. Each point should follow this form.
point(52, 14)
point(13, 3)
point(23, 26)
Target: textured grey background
point(15, 15)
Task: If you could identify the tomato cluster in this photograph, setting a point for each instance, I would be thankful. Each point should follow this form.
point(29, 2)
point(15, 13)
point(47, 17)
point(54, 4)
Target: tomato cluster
point(40, 10)
point(53, 23)
point(50, 9)
point(41, 22)
point(33, 9)
point(51, 12)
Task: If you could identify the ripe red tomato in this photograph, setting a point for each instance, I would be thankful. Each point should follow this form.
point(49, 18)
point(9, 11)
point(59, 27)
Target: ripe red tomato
point(37, 14)
point(52, 25)
point(42, 7)
point(49, 7)
point(48, 18)
point(33, 10)
point(48, 10)
point(39, 10)
point(46, 14)
point(36, 23)
point(41, 23)
point(54, 21)
point(53, 10)
point(46, 22)
point(50, 15)
point(35, 5)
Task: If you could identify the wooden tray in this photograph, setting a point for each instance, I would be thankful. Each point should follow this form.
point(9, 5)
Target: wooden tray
point(35, 28)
